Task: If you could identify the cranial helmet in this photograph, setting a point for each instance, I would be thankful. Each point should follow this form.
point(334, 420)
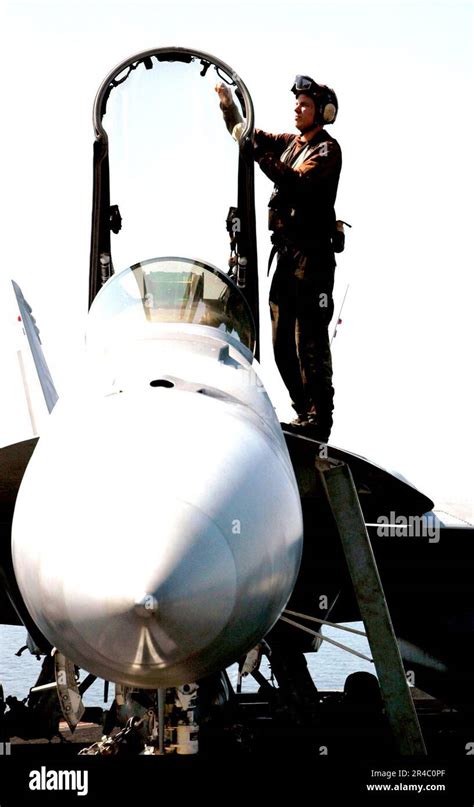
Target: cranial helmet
point(324, 98)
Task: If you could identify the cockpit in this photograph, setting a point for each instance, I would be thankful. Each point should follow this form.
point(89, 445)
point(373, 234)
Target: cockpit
point(137, 302)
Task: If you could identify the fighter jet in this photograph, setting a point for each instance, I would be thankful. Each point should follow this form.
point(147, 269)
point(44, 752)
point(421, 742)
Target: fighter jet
point(165, 520)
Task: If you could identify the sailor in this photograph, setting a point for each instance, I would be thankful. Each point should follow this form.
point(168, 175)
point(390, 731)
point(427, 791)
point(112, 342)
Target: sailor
point(305, 168)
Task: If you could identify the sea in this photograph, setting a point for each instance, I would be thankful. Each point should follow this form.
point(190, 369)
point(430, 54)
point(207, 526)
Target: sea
point(329, 666)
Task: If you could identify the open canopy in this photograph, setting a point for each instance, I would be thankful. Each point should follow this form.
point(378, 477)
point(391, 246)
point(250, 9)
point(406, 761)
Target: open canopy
point(168, 178)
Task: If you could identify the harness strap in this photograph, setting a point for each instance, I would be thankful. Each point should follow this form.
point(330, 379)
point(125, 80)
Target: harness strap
point(273, 252)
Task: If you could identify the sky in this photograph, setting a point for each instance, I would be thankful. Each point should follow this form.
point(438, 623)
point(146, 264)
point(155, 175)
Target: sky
point(403, 75)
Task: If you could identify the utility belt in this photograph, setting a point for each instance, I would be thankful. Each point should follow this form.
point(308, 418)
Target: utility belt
point(283, 245)
point(288, 238)
point(286, 225)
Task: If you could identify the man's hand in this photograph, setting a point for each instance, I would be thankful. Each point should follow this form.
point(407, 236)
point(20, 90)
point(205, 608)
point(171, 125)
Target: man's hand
point(225, 95)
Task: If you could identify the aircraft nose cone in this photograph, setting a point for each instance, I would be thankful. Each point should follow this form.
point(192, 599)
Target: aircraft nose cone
point(153, 547)
point(159, 600)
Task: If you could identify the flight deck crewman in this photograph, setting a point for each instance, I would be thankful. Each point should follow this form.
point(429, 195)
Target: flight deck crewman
point(305, 169)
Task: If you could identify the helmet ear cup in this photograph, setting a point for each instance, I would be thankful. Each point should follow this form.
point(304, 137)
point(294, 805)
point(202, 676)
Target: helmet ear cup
point(328, 112)
point(327, 106)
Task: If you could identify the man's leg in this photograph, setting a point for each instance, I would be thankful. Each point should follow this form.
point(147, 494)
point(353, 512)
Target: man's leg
point(314, 313)
point(283, 315)
point(318, 372)
point(286, 356)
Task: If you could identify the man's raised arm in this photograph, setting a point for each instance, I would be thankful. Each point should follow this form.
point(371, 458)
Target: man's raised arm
point(263, 141)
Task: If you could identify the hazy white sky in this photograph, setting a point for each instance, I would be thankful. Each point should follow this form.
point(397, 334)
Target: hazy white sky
point(403, 75)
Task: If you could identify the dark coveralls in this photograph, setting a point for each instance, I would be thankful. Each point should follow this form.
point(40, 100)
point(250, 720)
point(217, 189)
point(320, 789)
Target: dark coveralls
point(302, 218)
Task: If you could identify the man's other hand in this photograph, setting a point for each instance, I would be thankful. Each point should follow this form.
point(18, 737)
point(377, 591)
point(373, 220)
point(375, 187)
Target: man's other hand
point(225, 94)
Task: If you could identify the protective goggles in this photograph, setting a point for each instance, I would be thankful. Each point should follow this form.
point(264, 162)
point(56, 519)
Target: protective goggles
point(305, 84)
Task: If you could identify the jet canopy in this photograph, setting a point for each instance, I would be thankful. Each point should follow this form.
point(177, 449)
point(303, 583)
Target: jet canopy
point(170, 180)
point(169, 291)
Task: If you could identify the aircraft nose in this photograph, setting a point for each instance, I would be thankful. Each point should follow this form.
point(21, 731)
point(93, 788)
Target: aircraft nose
point(149, 609)
point(149, 552)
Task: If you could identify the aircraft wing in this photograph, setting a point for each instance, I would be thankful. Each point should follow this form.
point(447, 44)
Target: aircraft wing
point(13, 461)
point(380, 491)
